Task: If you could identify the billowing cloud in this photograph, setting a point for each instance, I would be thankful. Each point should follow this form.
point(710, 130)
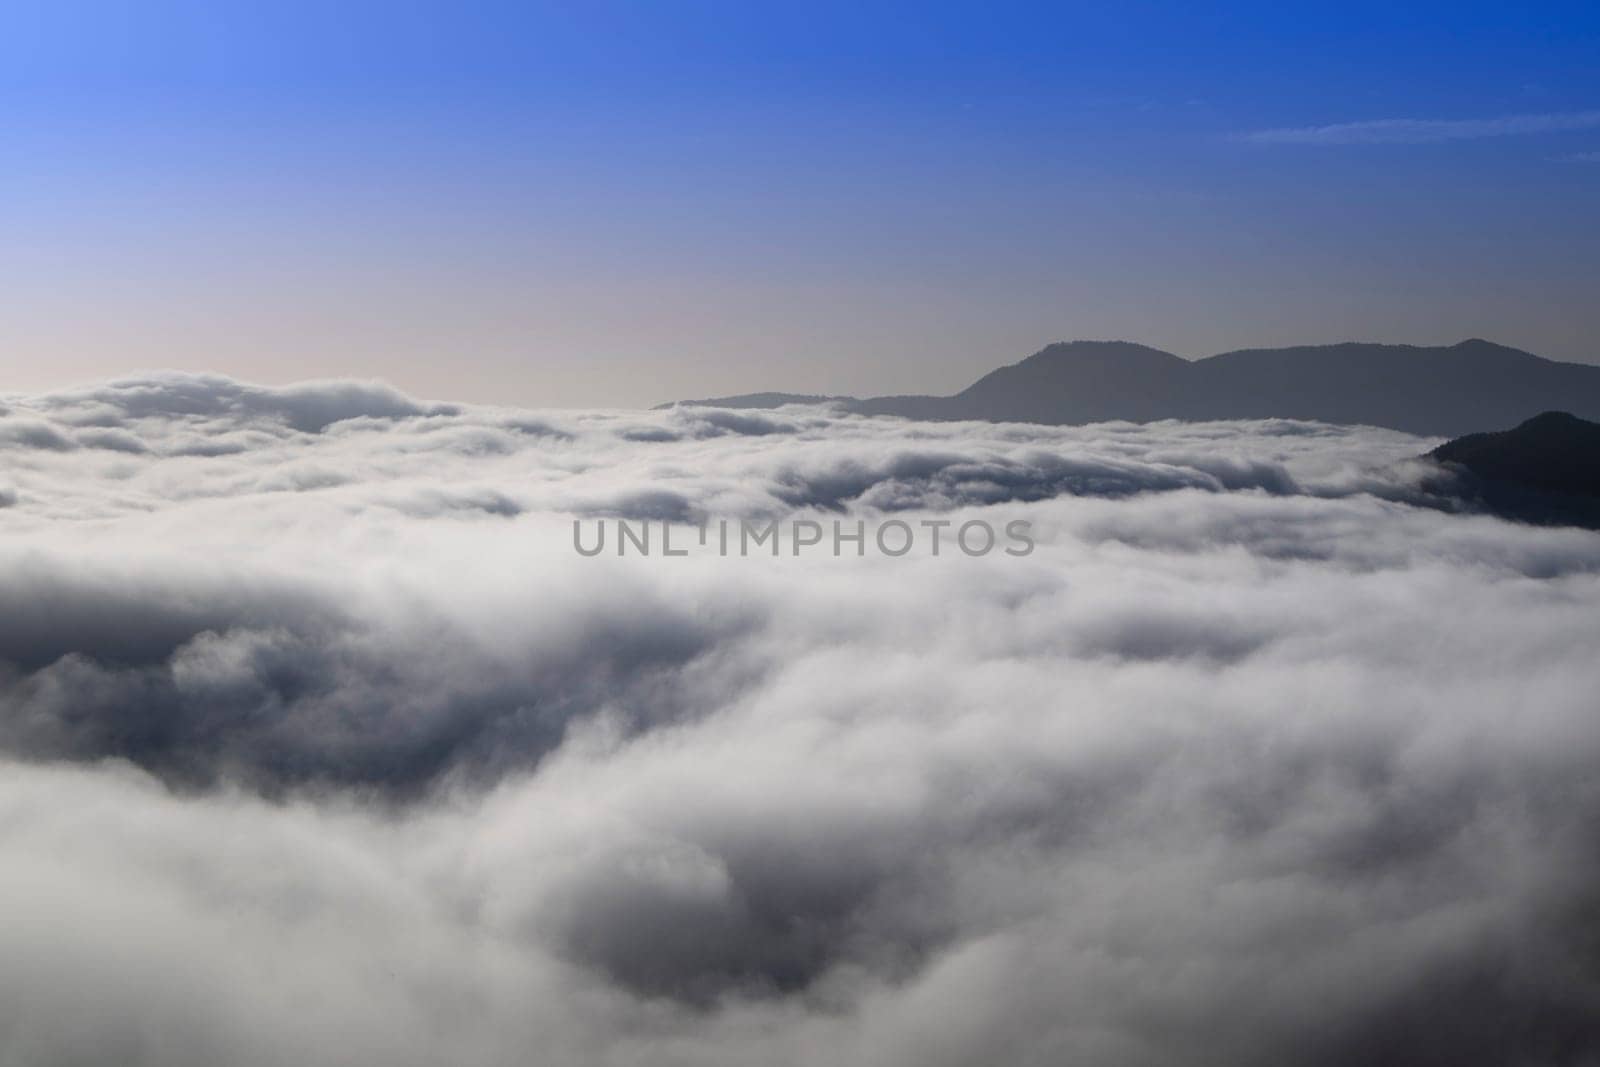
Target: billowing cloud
point(322, 745)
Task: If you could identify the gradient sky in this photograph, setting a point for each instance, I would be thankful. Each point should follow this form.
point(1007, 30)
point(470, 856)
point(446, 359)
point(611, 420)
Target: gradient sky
point(605, 203)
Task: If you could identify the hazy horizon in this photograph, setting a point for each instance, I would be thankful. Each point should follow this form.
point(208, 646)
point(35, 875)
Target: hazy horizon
point(48, 385)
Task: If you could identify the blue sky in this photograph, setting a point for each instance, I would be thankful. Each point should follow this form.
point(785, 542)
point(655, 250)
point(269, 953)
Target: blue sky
point(624, 203)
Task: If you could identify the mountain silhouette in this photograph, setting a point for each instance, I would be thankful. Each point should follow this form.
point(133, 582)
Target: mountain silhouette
point(1440, 391)
point(1546, 470)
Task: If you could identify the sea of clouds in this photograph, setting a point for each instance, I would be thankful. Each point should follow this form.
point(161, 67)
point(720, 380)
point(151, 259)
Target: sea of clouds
point(319, 744)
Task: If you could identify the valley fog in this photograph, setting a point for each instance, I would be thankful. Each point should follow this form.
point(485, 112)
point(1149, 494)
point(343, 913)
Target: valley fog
point(322, 745)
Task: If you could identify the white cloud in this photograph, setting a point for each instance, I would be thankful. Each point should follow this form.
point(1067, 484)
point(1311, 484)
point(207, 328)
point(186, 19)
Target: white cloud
point(1426, 131)
point(322, 746)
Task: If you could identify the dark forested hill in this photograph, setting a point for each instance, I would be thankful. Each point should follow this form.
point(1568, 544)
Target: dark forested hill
point(1545, 470)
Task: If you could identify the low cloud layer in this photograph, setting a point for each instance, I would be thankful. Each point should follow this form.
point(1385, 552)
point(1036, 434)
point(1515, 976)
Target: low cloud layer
point(321, 745)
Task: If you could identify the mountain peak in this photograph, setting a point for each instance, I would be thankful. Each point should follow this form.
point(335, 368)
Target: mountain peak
point(1556, 421)
point(1478, 344)
point(1079, 350)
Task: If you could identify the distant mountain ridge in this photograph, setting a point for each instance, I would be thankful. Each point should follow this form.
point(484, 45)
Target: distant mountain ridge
point(1441, 391)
